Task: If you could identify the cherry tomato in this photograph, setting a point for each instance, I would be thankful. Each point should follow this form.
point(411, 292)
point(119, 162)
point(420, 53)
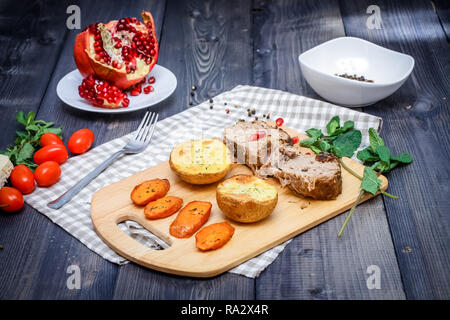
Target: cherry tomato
point(22, 178)
point(47, 173)
point(10, 199)
point(279, 122)
point(81, 141)
point(50, 138)
point(52, 152)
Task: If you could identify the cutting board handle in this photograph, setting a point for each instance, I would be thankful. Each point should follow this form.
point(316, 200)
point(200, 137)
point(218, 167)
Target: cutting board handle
point(106, 226)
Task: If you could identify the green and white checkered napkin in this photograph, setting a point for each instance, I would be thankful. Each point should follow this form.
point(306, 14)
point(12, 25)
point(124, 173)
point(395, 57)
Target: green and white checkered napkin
point(299, 113)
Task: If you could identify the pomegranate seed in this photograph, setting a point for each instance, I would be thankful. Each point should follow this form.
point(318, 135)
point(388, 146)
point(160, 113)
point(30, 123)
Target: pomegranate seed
point(147, 90)
point(258, 135)
point(308, 153)
point(134, 92)
point(114, 64)
point(118, 45)
point(151, 80)
point(295, 140)
point(279, 122)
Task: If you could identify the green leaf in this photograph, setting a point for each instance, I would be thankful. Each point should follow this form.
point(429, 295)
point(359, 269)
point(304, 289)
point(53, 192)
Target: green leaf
point(21, 134)
point(370, 182)
point(315, 149)
point(314, 133)
point(375, 140)
point(20, 117)
point(384, 154)
point(25, 152)
point(381, 166)
point(57, 131)
point(367, 156)
point(403, 158)
point(30, 117)
point(308, 142)
point(33, 127)
point(347, 143)
point(332, 125)
point(323, 145)
point(348, 125)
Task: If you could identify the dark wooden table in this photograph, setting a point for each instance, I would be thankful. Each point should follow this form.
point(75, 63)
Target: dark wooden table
point(217, 45)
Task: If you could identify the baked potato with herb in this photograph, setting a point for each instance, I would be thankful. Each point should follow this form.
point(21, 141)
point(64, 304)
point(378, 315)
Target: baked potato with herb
point(202, 161)
point(246, 198)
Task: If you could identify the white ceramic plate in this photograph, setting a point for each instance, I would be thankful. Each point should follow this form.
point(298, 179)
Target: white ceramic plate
point(387, 68)
point(165, 84)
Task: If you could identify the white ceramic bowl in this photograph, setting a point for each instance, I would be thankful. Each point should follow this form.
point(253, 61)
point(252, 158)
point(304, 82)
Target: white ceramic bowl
point(388, 69)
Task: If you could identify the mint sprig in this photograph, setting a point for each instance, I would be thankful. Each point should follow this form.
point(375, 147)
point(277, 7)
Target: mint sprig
point(27, 141)
point(343, 141)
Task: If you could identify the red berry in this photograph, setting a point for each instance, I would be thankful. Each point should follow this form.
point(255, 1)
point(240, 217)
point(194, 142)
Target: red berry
point(279, 122)
point(151, 80)
point(295, 140)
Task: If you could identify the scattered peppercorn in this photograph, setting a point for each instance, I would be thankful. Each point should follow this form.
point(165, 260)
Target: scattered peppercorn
point(211, 100)
point(224, 103)
point(353, 77)
point(194, 88)
point(256, 118)
point(210, 107)
point(190, 103)
point(192, 94)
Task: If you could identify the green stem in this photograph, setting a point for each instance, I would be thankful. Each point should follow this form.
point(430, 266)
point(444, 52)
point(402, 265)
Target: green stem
point(349, 170)
point(389, 195)
point(347, 219)
point(361, 178)
point(3, 205)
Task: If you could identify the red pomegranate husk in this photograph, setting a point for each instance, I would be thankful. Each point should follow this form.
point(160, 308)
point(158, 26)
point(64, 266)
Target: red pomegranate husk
point(121, 52)
point(102, 94)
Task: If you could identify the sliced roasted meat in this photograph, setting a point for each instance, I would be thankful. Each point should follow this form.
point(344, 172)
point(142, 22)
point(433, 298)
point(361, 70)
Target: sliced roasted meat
point(271, 155)
point(252, 142)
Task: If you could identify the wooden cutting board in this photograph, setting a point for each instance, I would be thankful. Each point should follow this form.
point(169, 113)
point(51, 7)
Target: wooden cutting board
point(292, 216)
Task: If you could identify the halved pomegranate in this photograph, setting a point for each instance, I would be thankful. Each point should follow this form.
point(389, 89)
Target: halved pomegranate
point(121, 52)
point(102, 94)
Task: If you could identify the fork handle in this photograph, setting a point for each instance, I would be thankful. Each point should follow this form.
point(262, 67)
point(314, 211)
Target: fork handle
point(73, 191)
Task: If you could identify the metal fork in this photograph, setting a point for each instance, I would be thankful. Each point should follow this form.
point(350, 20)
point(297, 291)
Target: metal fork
point(137, 144)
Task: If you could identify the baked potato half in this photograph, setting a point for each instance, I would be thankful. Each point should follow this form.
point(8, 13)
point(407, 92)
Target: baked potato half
point(246, 198)
point(202, 161)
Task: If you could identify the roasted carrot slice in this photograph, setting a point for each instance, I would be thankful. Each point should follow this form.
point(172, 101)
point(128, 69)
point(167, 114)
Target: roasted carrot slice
point(214, 236)
point(163, 207)
point(190, 219)
point(150, 190)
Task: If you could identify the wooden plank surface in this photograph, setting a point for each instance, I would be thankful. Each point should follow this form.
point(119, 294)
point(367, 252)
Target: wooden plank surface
point(316, 264)
point(27, 33)
point(416, 120)
point(206, 44)
point(217, 45)
point(442, 8)
point(45, 262)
